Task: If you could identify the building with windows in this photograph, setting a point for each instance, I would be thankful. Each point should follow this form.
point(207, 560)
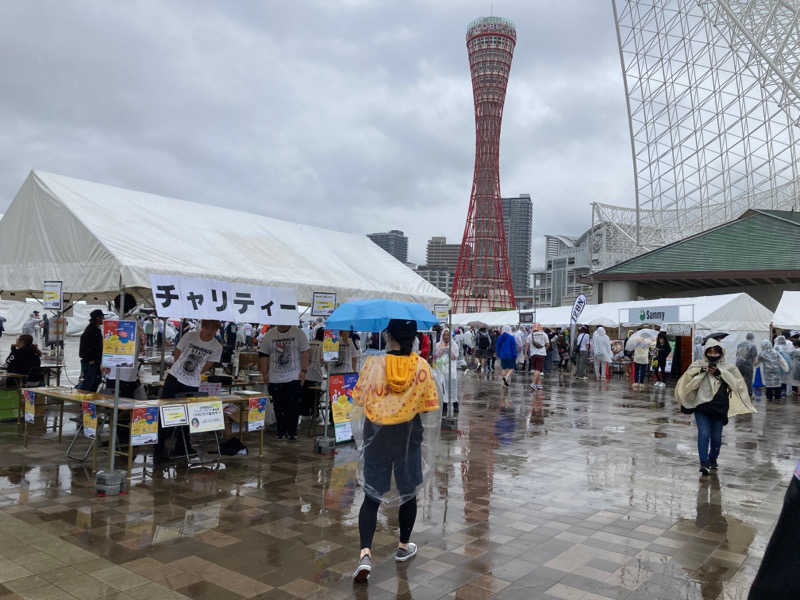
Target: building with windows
point(440, 255)
point(568, 263)
point(518, 226)
point(394, 242)
point(441, 261)
point(441, 278)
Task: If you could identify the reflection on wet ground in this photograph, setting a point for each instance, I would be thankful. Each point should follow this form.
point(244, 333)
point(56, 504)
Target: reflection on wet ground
point(581, 491)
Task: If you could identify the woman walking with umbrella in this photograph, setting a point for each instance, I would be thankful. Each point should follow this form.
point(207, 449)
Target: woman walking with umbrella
point(392, 393)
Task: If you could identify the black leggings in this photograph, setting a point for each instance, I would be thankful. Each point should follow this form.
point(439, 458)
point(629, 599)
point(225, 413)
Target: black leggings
point(368, 520)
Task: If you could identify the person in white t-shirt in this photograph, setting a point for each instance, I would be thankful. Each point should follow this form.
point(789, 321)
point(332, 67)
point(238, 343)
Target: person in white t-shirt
point(349, 356)
point(582, 349)
point(284, 365)
point(196, 353)
point(538, 345)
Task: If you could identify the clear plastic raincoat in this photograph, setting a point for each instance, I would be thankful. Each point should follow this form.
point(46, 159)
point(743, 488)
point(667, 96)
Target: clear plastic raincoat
point(396, 419)
point(696, 386)
point(773, 366)
point(441, 364)
point(601, 345)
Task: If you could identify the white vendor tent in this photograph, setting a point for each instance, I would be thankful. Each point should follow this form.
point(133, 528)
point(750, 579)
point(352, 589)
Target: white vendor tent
point(736, 314)
point(89, 235)
point(16, 313)
point(787, 315)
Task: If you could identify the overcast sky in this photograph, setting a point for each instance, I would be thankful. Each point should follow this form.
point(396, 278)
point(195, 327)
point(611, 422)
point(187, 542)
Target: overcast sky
point(355, 114)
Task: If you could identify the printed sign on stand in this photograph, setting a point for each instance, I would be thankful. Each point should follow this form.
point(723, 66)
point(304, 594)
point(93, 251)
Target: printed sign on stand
point(330, 345)
point(256, 414)
point(30, 406)
point(52, 295)
point(144, 426)
point(442, 313)
point(119, 343)
point(174, 415)
point(205, 416)
point(180, 297)
point(323, 304)
point(340, 392)
point(89, 419)
point(526, 317)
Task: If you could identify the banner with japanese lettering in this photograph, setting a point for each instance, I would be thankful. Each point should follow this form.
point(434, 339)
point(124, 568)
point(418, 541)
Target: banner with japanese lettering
point(181, 297)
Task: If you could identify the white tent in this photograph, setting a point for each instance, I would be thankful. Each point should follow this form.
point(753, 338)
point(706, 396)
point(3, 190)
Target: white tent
point(736, 314)
point(16, 313)
point(787, 316)
point(89, 235)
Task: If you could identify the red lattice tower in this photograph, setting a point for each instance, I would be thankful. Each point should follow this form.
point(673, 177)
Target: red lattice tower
point(483, 278)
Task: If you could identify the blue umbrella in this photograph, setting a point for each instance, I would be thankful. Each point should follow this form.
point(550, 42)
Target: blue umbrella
point(374, 315)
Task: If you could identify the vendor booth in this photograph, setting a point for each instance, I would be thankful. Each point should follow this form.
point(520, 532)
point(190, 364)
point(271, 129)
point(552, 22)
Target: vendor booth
point(101, 242)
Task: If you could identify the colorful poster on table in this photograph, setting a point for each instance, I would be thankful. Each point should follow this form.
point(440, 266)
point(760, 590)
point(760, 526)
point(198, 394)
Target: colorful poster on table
point(323, 304)
point(144, 426)
point(174, 415)
point(256, 414)
point(30, 406)
point(340, 392)
point(330, 345)
point(205, 416)
point(178, 297)
point(119, 343)
point(52, 296)
point(89, 419)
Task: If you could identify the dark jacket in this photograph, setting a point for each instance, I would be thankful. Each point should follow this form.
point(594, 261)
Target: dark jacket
point(91, 347)
point(24, 361)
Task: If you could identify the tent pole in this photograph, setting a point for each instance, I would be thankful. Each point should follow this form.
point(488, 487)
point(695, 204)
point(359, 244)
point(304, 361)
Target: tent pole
point(450, 366)
point(163, 348)
point(112, 445)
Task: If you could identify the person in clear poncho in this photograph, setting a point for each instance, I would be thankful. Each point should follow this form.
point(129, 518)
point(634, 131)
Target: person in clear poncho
point(746, 355)
point(785, 348)
point(773, 367)
point(442, 363)
point(601, 346)
point(713, 391)
point(395, 419)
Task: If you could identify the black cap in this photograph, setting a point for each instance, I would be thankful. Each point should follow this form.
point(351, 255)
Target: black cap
point(96, 313)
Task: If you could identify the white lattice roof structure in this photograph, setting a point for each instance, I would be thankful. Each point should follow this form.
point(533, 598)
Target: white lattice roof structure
point(712, 92)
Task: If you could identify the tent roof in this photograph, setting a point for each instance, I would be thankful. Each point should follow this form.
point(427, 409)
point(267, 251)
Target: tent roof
point(726, 312)
point(89, 234)
point(787, 316)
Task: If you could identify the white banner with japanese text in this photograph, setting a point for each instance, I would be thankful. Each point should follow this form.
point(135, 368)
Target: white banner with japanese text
point(179, 297)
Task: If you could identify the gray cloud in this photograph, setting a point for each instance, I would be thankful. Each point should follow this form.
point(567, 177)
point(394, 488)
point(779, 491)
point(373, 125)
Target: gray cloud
point(355, 115)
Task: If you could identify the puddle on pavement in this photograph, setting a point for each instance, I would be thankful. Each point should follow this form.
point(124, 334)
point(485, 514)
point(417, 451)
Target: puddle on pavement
point(712, 531)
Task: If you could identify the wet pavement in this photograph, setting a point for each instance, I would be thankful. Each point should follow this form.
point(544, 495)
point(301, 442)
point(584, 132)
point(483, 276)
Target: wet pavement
point(583, 491)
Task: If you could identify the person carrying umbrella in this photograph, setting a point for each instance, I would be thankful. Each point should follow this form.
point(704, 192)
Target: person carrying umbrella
point(392, 393)
point(713, 391)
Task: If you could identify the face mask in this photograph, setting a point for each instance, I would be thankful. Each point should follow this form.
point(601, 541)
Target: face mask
point(712, 360)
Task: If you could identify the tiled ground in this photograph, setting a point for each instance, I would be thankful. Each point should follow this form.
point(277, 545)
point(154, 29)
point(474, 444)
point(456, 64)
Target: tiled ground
point(583, 491)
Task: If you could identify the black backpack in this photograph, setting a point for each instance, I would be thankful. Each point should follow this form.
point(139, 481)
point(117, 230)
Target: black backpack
point(484, 341)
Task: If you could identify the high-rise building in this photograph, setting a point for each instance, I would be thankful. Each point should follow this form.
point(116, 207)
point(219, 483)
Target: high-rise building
point(441, 255)
point(483, 278)
point(518, 226)
point(441, 263)
point(394, 242)
point(567, 266)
